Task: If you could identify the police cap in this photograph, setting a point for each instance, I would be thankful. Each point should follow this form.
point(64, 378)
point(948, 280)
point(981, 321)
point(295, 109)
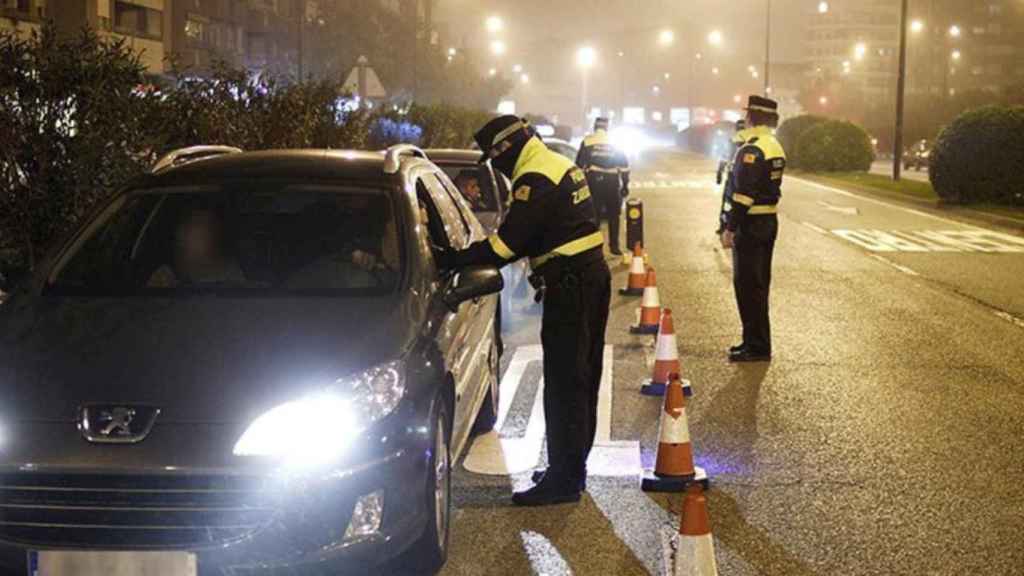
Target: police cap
point(601, 123)
point(501, 134)
point(762, 104)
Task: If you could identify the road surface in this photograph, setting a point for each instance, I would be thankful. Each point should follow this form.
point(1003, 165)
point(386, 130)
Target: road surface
point(884, 438)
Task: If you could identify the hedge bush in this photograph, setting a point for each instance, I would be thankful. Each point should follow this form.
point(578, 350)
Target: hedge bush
point(791, 130)
point(980, 158)
point(835, 146)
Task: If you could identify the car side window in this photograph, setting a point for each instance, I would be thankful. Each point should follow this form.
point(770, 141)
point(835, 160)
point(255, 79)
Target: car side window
point(476, 230)
point(431, 218)
point(455, 226)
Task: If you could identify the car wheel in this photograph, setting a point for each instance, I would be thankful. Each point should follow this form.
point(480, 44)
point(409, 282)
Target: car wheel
point(431, 551)
point(487, 417)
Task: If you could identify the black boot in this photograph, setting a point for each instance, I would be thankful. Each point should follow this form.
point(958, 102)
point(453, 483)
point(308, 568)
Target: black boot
point(538, 475)
point(552, 489)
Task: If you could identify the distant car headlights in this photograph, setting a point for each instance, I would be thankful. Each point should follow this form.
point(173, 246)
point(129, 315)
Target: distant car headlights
point(321, 427)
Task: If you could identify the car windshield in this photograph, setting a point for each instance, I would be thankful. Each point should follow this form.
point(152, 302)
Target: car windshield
point(475, 184)
point(253, 238)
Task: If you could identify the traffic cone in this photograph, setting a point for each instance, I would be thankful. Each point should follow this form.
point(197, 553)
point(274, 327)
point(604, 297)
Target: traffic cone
point(695, 549)
point(637, 274)
point(673, 469)
point(666, 359)
point(649, 314)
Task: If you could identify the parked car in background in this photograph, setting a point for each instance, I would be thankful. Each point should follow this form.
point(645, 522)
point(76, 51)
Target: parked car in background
point(249, 363)
point(486, 191)
point(918, 156)
point(562, 147)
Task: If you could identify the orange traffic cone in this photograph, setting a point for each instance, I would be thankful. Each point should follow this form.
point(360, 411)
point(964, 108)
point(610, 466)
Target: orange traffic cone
point(695, 550)
point(673, 468)
point(637, 274)
point(649, 314)
point(666, 359)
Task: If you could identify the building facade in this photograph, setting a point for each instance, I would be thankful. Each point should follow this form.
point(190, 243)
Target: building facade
point(22, 16)
point(856, 41)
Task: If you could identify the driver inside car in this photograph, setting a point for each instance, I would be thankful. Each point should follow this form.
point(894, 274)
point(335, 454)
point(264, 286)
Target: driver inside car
point(200, 255)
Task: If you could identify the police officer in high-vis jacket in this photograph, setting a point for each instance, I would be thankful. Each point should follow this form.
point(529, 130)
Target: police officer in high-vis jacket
point(552, 222)
point(725, 167)
point(607, 172)
point(752, 226)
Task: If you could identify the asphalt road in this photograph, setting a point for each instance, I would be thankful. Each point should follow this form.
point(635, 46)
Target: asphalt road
point(884, 167)
point(882, 440)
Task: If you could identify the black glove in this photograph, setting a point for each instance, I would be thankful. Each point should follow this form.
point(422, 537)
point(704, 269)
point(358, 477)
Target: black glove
point(446, 258)
point(625, 191)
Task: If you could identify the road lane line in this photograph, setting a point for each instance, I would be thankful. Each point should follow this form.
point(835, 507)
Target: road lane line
point(899, 267)
point(494, 455)
point(815, 227)
point(1009, 318)
point(849, 194)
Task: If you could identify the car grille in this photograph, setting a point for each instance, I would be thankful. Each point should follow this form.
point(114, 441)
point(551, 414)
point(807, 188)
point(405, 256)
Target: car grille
point(130, 512)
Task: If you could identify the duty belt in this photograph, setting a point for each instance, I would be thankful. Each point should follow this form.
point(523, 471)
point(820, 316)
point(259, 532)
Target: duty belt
point(762, 209)
point(569, 249)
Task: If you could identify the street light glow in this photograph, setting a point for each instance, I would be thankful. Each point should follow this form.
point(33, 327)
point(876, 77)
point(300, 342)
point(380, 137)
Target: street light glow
point(737, 99)
point(667, 75)
point(492, 72)
point(518, 68)
point(666, 37)
point(715, 70)
point(494, 24)
point(452, 52)
point(823, 100)
point(823, 7)
point(956, 55)
point(916, 26)
point(498, 48)
point(715, 37)
point(954, 31)
point(524, 78)
point(586, 57)
point(860, 50)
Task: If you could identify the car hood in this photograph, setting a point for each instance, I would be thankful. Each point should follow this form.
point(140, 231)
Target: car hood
point(197, 359)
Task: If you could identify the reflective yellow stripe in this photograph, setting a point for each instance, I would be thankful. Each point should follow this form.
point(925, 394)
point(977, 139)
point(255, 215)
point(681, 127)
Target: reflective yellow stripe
point(604, 170)
point(500, 248)
point(577, 246)
point(742, 199)
point(763, 209)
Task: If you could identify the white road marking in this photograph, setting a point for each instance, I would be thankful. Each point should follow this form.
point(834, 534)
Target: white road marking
point(933, 241)
point(494, 455)
point(847, 210)
point(1010, 318)
point(899, 267)
point(815, 227)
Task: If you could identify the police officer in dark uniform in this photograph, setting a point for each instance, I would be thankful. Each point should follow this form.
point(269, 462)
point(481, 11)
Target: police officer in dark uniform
point(725, 166)
point(552, 222)
point(752, 226)
point(607, 172)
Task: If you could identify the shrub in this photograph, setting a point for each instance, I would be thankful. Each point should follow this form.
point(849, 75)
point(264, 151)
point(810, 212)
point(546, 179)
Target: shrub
point(791, 130)
point(835, 146)
point(979, 157)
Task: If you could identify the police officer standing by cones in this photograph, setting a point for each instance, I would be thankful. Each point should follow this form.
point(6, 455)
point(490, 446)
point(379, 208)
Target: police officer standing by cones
point(552, 222)
point(607, 172)
point(752, 226)
point(725, 167)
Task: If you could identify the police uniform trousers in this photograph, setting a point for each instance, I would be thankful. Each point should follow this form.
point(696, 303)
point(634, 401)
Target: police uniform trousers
point(607, 195)
point(576, 304)
point(752, 278)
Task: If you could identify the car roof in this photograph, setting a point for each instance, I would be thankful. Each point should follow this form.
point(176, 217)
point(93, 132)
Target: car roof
point(453, 155)
point(307, 164)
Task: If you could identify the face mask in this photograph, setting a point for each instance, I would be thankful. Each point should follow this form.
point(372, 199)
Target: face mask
point(506, 162)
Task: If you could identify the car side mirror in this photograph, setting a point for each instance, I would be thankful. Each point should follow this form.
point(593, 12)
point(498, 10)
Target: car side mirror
point(472, 283)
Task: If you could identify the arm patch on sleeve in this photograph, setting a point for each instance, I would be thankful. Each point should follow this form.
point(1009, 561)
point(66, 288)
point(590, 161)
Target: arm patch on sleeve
point(749, 158)
point(522, 194)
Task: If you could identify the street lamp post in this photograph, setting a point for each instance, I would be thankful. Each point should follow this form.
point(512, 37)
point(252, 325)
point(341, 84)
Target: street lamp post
point(768, 48)
point(901, 84)
point(585, 58)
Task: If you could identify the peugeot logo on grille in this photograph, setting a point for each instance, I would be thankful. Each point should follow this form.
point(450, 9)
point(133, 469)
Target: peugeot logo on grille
point(116, 423)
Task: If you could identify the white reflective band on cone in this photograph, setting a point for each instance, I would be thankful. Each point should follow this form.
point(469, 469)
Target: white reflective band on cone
point(667, 348)
point(651, 299)
point(638, 266)
point(674, 429)
point(695, 556)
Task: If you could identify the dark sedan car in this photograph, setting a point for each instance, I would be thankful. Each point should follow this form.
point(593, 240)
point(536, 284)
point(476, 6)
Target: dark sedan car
point(247, 363)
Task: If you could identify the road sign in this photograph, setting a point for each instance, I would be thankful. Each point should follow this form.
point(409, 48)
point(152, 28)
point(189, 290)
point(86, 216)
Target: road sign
point(364, 82)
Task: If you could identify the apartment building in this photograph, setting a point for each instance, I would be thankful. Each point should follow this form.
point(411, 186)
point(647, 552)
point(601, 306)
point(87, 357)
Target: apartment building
point(857, 40)
point(141, 23)
point(22, 16)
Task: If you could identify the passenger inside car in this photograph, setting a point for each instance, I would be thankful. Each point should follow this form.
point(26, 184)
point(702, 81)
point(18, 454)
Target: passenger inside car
point(200, 254)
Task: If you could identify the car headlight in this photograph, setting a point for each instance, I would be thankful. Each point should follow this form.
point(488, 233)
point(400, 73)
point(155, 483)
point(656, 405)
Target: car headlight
point(321, 427)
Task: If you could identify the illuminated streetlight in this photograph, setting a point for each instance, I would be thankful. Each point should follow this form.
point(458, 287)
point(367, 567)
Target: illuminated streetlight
point(524, 78)
point(666, 37)
point(656, 89)
point(715, 70)
point(715, 38)
point(452, 52)
point(954, 31)
point(492, 72)
point(586, 57)
point(737, 99)
point(494, 24)
point(621, 54)
point(667, 75)
point(823, 101)
point(498, 48)
point(956, 55)
point(860, 50)
point(822, 7)
point(518, 68)
point(916, 26)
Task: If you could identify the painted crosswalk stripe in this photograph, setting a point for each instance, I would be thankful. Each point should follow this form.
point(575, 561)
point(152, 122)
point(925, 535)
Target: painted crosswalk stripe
point(496, 455)
point(924, 241)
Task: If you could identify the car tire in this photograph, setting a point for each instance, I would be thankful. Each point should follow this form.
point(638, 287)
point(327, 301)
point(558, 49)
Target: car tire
point(487, 417)
point(431, 550)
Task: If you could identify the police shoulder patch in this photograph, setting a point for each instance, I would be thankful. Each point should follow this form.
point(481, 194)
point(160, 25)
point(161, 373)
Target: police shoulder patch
point(522, 194)
point(749, 158)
